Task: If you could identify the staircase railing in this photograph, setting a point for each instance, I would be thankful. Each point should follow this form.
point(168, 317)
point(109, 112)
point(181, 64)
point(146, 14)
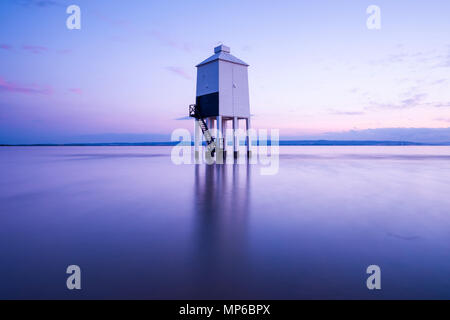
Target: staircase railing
point(195, 112)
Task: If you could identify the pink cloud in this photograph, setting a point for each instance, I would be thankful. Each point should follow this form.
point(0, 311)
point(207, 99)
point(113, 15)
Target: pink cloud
point(164, 40)
point(65, 51)
point(180, 72)
point(35, 49)
point(6, 86)
point(6, 47)
point(76, 90)
point(39, 3)
point(112, 21)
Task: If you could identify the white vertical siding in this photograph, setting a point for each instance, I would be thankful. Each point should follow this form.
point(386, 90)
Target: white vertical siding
point(233, 90)
point(241, 106)
point(208, 78)
point(225, 89)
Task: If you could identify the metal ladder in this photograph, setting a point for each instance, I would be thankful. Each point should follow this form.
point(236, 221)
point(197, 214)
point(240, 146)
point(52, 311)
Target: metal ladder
point(195, 112)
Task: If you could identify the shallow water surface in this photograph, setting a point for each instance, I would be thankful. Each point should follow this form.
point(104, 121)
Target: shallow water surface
point(141, 227)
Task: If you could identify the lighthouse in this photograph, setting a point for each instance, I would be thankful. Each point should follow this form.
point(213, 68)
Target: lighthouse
point(222, 97)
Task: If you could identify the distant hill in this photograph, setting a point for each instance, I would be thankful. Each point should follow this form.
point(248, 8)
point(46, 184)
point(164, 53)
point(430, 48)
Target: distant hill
point(348, 143)
point(281, 143)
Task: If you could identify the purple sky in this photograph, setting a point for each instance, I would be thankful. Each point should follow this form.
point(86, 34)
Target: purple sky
point(315, 69)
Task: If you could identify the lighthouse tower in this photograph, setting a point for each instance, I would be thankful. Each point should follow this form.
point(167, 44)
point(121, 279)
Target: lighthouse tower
point(222, 97)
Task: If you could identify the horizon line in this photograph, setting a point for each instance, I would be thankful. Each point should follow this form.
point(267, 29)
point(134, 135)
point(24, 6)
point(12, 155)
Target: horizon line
point(314, 142)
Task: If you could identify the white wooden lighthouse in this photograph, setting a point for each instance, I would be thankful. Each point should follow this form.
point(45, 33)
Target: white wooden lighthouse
point(222, 96)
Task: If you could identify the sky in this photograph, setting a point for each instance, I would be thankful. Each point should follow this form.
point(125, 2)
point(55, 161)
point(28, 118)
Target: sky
point(316, 70)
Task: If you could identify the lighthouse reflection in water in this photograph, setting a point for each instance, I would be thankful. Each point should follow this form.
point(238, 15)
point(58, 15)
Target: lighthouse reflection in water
point(141, 227)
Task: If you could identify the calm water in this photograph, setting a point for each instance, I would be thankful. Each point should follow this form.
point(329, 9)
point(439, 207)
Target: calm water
point(141, 227)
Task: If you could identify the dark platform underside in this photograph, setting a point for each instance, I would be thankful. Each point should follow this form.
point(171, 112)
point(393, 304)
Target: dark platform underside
point(209, 104)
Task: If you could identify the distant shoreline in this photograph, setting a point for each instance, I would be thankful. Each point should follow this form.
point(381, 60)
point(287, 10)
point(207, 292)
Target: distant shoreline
point(281, 143)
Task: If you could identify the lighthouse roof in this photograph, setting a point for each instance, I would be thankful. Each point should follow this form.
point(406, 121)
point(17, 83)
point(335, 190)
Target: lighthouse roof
point(222, 52)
